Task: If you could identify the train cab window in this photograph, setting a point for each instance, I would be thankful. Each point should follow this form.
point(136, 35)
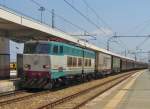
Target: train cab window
point(36, 48)
point(61, 49)
point(55, 49)
point(79, 62)
point(43, 48)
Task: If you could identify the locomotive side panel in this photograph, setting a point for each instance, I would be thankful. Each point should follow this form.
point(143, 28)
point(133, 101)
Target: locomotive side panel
point(58, 66)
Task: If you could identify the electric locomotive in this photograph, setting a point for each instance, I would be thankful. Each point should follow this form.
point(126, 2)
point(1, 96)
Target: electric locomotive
point(46, 63)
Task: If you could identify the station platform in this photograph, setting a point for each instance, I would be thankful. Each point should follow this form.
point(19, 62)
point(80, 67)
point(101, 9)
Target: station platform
point(134, 93)
point(9, 84)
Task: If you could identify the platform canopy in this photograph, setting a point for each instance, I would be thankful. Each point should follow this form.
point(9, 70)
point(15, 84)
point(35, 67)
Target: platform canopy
point(20, 28)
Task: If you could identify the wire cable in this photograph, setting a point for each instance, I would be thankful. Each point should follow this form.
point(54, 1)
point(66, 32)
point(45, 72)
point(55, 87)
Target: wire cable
point(142, 43)
point(84, 16)
point(97, 15)
point(64, 19)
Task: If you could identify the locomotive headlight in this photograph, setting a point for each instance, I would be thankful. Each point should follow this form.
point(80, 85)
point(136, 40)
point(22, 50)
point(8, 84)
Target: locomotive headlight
point(46, 66)
point(27, 66)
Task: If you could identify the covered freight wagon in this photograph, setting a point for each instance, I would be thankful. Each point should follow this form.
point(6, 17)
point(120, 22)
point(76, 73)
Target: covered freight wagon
point(123, 65)
point(116, 63)
point(130, 64)
point(103, 64)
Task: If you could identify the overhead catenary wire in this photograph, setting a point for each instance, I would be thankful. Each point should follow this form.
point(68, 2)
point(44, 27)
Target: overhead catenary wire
point(84, 16)
point(97, 15)
point(137, 26)
point(142, 43)
point(38, 4)
point(143, 27)
point(62, 18)
point(102, 20)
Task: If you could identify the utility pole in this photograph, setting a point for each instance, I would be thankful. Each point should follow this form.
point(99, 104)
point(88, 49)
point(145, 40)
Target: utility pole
point(135, 57)
point(108, 43)
point(53, 18)
point(125, 52)
point(41, 9)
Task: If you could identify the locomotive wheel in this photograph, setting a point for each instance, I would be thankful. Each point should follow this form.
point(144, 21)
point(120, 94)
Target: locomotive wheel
point(50, 86)
point(83, 78)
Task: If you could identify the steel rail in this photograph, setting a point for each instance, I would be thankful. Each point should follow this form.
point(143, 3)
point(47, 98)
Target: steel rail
point(70, 97)
point(101, 92)
point(6, 102)
point(9, 93)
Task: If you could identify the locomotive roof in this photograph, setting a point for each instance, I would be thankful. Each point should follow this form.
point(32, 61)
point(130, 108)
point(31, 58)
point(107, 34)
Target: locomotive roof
point(89, 46)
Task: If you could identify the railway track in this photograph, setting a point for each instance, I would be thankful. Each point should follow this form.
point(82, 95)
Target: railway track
point(11, 94)
point(78, 99)
point(3, 94)
point(16, 96)
point(63, 97)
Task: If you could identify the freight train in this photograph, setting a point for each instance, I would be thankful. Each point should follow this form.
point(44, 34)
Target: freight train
point(46, 63)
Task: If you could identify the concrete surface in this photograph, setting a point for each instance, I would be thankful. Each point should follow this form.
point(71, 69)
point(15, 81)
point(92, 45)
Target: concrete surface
point(133, 93)
point(7, 85)
point(10, 84)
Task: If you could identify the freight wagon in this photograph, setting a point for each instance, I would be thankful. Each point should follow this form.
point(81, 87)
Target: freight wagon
point(103, 63)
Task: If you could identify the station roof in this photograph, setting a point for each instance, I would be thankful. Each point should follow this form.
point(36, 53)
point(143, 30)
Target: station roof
point(21, 28)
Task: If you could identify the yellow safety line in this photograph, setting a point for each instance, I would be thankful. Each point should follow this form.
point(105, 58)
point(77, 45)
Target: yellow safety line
point(112, 104)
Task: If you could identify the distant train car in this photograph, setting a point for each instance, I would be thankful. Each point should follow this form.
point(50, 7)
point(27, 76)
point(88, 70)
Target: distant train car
point(116, 64)
point(123, 64)
point(130, 64)
point(103, 63)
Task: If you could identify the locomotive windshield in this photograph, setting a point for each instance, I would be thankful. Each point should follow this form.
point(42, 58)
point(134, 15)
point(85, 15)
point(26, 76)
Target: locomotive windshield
point(39, 48)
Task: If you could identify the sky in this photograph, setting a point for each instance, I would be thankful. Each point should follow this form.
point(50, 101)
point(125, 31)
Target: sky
point(123, 17)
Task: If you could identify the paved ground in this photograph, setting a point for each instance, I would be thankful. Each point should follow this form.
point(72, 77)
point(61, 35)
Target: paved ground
point(10, 84)
point(134, 93)
point(6, 85)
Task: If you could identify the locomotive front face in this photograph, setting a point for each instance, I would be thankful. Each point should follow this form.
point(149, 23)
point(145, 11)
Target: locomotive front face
point(36, 60)
point(36, 66)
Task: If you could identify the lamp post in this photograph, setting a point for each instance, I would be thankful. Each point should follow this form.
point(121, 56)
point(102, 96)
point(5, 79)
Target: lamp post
point(41, 9)
point(53, 18)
